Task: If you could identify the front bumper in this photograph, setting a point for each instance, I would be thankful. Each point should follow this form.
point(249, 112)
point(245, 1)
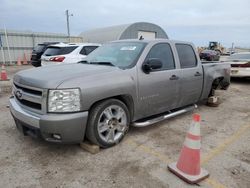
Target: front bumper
point(70, 127)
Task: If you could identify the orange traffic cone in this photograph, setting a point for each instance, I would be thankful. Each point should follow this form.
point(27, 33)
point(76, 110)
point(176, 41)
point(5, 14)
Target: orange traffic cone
point(19, 63)
point(188, 165)
point(25, 60)
point(4, 76)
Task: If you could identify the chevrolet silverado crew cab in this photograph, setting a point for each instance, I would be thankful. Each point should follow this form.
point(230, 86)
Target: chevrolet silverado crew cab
point(122, 83)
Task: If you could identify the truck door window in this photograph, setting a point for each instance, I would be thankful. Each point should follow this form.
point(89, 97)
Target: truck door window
point(186, 55)
point(163, 52)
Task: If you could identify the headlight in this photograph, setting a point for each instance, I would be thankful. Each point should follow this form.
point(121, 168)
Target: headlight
point(64, 100)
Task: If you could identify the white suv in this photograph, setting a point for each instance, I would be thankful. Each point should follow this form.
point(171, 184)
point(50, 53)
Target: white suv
point(67, 53)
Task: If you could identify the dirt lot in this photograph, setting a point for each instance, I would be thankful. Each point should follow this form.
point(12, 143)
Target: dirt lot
point(142, 157)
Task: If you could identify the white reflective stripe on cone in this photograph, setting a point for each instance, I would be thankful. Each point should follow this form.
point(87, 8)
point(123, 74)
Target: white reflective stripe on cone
point(193, 144)
point(195, 129)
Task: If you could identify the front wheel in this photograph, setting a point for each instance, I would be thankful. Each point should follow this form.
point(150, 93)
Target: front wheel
point(108, 123)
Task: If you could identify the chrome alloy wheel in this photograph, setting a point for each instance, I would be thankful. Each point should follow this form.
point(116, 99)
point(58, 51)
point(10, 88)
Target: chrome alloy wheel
point(112, 124)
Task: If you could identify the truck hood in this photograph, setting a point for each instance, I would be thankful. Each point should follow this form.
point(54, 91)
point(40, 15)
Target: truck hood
point(52, 76)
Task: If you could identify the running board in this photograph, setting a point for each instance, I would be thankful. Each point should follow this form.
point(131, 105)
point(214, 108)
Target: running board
point(163, 117)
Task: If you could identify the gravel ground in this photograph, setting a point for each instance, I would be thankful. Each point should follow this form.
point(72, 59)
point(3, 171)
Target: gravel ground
point(11, 70)
point(142, 157)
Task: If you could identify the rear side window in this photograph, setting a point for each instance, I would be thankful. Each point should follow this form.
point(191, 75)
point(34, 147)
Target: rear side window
point(51, 51)
point(186, 55)
point(86, 50)
point(164, 53)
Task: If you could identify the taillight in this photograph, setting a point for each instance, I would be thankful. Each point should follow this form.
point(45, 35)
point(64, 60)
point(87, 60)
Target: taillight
point(57, 59)
point(245, 65)
point(241, 65)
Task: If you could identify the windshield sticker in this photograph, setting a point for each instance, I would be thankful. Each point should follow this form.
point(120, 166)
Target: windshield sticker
point(128, 48)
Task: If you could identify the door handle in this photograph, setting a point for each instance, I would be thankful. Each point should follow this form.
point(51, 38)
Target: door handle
point(174, 77)
point(197, 74)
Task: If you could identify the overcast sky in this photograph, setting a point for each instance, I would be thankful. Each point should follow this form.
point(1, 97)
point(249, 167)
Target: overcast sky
point(198, 21)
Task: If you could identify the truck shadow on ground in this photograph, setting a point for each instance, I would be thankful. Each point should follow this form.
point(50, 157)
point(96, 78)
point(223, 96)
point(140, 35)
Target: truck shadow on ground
point(245, 81)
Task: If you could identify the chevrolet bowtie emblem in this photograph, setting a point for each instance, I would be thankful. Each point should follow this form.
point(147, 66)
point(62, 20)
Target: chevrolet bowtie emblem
point(19, 94)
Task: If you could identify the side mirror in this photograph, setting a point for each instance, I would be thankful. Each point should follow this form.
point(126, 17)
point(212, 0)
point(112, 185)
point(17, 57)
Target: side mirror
point(151, 64)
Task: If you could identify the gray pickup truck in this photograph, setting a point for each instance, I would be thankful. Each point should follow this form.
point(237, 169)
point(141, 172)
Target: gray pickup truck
point(122, 83)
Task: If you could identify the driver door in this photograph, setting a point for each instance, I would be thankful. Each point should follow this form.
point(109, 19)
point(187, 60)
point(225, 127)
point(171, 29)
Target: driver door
point(159, 90)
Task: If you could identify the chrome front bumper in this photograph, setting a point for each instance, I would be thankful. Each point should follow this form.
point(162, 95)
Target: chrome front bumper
point(70, 126)
point(22, 115)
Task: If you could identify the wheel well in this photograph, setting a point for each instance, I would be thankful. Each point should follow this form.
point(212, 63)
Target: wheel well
point(126, 99)
point(217, 82)
point(215, 85)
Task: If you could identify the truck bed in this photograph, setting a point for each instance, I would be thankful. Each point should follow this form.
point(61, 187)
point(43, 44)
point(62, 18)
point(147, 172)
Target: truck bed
point(215, 70)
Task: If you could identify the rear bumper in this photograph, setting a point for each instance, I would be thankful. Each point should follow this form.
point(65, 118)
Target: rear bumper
point(240, 72)
point(70, 127)
point(46, 63)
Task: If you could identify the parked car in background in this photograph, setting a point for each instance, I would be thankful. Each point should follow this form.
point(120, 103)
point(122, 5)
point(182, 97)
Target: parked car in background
point(38, 51)
point(122, 83)
point(240, 64)
point(67, 53)
point(210, 55)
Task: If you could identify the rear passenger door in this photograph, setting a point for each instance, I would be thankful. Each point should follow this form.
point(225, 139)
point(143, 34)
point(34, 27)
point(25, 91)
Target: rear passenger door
point(158, 90)
point(191, 79)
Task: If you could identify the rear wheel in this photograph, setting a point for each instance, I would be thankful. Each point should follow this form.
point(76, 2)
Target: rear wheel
point(108, 123)
point(212, 92)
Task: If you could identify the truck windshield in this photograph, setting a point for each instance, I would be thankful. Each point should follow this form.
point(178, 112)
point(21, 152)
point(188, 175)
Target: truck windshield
point(120, 54)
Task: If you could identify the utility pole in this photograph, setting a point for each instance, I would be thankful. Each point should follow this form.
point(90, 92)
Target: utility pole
point(232, 49)
point(1, 45)
point(67, 16)
point(7, 42)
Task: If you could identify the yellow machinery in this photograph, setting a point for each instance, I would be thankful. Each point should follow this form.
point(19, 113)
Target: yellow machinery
point(217, 47)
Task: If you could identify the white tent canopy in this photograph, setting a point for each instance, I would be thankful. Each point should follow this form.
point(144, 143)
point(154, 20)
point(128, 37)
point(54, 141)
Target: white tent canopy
point(127, 31)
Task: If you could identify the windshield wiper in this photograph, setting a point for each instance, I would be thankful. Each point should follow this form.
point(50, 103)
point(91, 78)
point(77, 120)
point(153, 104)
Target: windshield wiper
point(102, 63)
point(97, 62)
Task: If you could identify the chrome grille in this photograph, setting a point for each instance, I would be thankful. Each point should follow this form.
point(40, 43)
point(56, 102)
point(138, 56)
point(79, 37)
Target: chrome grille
point(28, 97)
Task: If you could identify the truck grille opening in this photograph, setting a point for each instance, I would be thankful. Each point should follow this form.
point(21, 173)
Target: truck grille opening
point(35, 92)
point(28, 97)
point(30, 104)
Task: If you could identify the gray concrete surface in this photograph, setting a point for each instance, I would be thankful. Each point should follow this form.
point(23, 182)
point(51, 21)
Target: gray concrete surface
point(142, 157)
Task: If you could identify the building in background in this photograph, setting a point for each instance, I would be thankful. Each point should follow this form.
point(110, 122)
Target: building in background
point(17, 44)
point(21, 43)
point(127, 31)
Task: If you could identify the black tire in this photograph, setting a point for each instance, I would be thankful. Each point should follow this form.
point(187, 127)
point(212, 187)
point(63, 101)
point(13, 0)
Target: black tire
point(94, 116)
point(212, 92)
